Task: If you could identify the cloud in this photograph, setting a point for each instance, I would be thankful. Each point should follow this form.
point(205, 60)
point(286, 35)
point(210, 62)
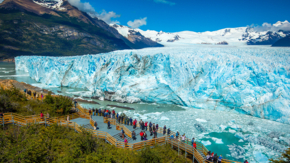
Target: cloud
point(107, 17)
point(85, 7)
point(165, 2)
point(88, 8)
point(137, 22)
point(285, 26)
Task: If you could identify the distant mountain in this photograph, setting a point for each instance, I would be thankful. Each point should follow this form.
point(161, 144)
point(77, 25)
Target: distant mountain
point(54, 27)
point(233, 36)
point(136, 37)
point(284, 42)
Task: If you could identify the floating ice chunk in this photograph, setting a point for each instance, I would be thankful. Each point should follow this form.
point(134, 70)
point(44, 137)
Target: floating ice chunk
point(164, 118)
point(217, 141)
point(232, 131)
point(241, 140)
point(223, 127)
point(206, 143)
point(260, 157)
point(201, 120)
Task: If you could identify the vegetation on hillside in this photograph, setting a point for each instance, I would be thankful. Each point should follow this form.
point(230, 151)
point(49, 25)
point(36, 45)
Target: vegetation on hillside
point(37, 143)
point(13, 100)
point(25, 33)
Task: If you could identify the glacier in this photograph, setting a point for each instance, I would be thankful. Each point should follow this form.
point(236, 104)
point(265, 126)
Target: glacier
point(247, 80)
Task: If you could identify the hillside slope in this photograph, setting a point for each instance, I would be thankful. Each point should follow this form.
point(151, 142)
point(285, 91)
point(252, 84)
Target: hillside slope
point(29, 28)
point(283, 42)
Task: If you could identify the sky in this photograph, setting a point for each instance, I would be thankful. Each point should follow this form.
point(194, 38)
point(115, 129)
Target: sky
point(187, 15)
point(191, 15)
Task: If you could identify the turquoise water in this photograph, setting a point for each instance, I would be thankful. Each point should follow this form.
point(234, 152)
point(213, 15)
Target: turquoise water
point(222, 149)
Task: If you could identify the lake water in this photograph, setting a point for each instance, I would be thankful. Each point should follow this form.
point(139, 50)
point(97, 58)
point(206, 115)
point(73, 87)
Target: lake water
point(218, 131)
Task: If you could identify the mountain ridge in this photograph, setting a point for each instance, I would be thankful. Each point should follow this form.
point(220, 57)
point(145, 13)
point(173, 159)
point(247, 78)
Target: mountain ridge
point(234, 36)
point(27, 28)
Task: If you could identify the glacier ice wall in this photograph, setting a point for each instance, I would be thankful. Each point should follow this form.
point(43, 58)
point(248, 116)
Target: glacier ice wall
point(248, 80)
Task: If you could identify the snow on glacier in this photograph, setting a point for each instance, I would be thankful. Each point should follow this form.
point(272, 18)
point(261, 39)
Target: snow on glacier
point(247, 80)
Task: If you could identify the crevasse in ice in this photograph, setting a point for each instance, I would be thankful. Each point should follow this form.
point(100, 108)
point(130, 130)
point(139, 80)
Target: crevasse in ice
point(249, 80)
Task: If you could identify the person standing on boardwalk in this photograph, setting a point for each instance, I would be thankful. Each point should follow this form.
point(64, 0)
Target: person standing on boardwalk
point(93, 111)
point(96, 125)
point(155, 134)
point(150, 128)
point(126, 142)
point(123, 133)
point(168, 131)
point(75, 102)
point(194, 145)
point(153, 127)
point(114, 113)
point(134, 124)
point(164, 130)
point(141, 135)
point(183, 138)
point(134, 135)
point(140, 124)
point(215, 158)
point(41, 115)
point(42, 98)
point(220, 159)
point(67, 118)
point(151, 131)
point(143, 125)
point(145, 135)
point(157, 127)
point(177, 134)
point(128, 121)
point(131, 120)
point(109, 125)
point(146, 123)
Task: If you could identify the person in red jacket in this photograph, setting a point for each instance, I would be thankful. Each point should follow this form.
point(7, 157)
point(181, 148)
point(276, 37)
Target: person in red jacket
point(146, 126)
point(113, 112)
point(41, 115)
point(142, 134)
point(194, 145)
point(134, 123)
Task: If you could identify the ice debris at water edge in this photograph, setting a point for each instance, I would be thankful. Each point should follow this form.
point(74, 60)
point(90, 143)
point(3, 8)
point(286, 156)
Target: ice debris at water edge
point(248, 80)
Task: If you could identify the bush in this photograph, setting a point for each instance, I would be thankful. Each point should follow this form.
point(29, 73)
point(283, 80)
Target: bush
point(37, 143)
point(13, 100)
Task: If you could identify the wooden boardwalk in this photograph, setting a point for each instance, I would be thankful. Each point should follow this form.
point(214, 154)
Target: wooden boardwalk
point(111, 135)
point(197, 154)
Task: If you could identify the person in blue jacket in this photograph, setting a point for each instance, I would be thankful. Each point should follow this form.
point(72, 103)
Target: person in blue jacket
point(177, 134)
point(220, 159)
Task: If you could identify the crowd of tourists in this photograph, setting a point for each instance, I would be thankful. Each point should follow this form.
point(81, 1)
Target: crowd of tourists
point(33, 94)
point(145, 126)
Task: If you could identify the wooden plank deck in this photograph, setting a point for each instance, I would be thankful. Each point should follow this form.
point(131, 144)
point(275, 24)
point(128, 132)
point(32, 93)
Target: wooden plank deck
point(111, 135)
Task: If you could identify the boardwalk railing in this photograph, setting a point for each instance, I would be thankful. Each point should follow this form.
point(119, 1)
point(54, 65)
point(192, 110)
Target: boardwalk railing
point(12, 118)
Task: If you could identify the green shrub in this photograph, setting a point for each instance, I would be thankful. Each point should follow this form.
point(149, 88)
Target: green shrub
point(37, 143)
point(13, 100)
